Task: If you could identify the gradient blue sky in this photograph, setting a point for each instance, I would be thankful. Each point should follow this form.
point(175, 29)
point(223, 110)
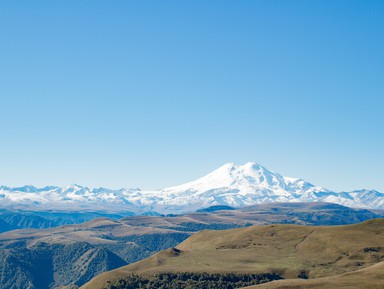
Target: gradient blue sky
point(156, 93)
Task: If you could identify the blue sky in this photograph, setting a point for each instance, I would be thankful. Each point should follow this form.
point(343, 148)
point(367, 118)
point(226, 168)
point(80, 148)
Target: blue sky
point(156, 93)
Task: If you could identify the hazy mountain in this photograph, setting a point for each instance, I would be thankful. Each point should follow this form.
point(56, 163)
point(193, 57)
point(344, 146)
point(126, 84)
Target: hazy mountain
point(4, 226)
point(230, 185)
point(19, 219)
point(73, 254)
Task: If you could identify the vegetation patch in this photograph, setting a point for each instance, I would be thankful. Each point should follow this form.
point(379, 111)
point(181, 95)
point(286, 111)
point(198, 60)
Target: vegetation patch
point(188, 280)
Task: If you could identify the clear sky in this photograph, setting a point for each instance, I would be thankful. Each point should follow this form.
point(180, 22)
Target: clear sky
point(151, 94)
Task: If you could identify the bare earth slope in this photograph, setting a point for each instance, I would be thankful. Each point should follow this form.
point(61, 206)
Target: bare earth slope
point(288, 250)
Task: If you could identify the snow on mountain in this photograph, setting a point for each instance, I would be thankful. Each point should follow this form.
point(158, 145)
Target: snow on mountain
point(70, 198)
point(232, 185)
point(236, 186)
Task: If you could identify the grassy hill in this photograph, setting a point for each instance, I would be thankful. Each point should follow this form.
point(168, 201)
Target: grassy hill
point(371, 277)
point(289, 251)
point(74, 254)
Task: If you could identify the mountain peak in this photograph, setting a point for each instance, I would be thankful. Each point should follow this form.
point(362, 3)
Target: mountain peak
point(253, 165)
point(229, 185)
point(75, 186)
point(228, 167)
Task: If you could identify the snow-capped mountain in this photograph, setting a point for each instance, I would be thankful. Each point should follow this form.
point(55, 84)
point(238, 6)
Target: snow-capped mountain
point(231, 184)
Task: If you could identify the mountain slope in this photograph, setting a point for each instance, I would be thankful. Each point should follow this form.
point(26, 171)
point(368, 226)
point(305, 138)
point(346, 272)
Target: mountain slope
point(244, 185)
point(371, 277)
point(47, 265)
point(287, 250)
point(236, 186)
point(5, 226)
point(230, 185)
point(11, 220)
point(73, 254)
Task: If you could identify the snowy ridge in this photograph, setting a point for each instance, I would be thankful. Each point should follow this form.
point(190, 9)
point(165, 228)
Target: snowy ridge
point(232, 185)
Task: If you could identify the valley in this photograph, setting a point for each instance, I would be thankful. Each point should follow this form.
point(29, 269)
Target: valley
point(65, 236)
point(72, 255)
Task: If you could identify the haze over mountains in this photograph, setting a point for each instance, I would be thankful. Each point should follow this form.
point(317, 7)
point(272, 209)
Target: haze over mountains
point(230, 185)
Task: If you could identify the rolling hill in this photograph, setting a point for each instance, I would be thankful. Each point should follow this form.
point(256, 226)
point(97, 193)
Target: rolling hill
point(371, 277)
point(288, 251)
point(73, 254)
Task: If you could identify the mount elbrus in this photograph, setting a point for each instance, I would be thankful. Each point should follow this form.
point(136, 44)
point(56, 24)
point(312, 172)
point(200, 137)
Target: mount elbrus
point(230, 185)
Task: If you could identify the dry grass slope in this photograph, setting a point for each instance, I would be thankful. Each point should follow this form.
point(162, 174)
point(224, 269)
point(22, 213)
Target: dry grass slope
point(371, 277)
point(288, 250)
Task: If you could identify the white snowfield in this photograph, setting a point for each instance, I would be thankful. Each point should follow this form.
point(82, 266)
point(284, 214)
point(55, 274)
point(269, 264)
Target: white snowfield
point(232, 185)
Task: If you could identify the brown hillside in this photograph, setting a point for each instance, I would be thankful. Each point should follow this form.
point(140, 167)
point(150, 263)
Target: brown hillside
point(371, 277)
point(289, 250)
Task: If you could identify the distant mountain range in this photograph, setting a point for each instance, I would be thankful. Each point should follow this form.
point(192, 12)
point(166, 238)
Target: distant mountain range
point(230, 185)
